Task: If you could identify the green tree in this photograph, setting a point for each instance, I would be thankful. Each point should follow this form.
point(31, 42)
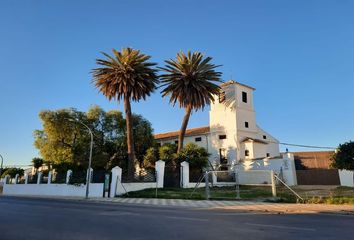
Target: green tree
point(343, 158)
point(144, 139)
point(151, 156)
point(189, 80)
point(60, 140)
point(196, 156)
point(37, 163)
point(167, 152)
point(66, 143)
point(126, 75)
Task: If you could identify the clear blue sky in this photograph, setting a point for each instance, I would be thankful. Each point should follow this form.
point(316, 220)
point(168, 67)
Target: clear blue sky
point(299, 55)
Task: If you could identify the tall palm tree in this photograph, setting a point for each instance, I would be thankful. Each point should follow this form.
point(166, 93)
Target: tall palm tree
point(126, 75)
point(189, 79)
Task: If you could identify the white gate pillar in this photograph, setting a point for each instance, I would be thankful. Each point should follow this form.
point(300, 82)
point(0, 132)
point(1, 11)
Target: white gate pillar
point(16, 178)
point(26, 178)
point(184, 174)
point(49, 177)
point(68, 176)
point(6, 179)
point(39, 178)
point(160, 172)
point(91, 174)
point(116, 179)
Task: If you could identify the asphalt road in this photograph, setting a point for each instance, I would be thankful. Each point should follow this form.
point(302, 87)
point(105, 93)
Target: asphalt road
point(30, 218)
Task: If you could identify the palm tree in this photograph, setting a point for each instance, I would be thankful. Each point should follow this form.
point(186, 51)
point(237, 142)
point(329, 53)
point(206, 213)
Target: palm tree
point(126, 75)
point(37, 163)
point(189, 79)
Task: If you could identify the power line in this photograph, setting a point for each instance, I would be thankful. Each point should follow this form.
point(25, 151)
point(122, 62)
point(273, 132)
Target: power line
point(307, 146)
point(301, 145)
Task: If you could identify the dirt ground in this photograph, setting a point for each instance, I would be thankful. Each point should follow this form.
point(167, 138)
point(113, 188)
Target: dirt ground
point(323, 191)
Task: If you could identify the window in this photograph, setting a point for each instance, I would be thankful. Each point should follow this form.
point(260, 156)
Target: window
point(244, 97)
point(176, 142)
point(268, 155)
point(264, 137)
point(246, 124)
point(221, 97)
point(223, 157)
point(247, 153)
point(222, 136)
point(198, 139)
point(159, 144)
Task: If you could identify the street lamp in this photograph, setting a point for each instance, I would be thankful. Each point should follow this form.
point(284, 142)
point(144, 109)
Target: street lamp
point(90, 158)
point(2, 161)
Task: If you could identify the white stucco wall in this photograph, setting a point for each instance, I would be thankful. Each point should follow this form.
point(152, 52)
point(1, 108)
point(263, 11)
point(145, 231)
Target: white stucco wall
point(64, 190)
point(346, 178)
point(249, 116)
point(188, 139)
point(286, 164)
point(223, 122)
point(273, 143)
point(230, 121)
point(257, 177)
point(259, 150)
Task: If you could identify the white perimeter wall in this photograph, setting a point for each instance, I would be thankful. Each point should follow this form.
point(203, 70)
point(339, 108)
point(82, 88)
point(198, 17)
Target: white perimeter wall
point(255, 177)
point(96, 190)
point(346, 178)
point(286, 164)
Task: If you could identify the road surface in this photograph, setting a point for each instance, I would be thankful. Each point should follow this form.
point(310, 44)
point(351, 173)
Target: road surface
point(31, 218)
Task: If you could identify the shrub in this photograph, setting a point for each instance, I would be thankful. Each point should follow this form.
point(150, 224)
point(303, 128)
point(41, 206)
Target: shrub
point(150, 158)
point(167, 152)
point(13, 171)
point(196, 156)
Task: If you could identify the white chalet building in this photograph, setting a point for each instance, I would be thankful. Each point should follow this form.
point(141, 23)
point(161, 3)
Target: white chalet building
point(233, 133)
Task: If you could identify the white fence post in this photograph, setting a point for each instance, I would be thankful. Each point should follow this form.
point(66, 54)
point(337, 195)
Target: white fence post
point(26, 178)
point(289, 169)
point(91, 174)
point(274, 189)
point(16, 178)
point(346, 177)
point(185, 174)
point(39, 178)
point(160, 170)
point(49, 177)
point(6, 179)
point(116, 179)
point(214, 177)
point(68, 176)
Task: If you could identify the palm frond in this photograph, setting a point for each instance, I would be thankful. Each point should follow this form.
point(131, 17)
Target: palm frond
point(190, 80)
point(127, 73)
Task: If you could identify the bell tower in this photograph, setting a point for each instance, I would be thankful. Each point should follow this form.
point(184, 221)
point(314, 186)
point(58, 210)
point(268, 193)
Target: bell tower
point(232, 119)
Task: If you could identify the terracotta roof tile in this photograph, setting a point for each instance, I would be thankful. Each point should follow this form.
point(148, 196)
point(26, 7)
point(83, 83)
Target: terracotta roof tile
point(248, 139)
point(230, 82)
point(189, 132)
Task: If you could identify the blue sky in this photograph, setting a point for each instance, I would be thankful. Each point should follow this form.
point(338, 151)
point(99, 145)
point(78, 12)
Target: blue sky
point(299, 55)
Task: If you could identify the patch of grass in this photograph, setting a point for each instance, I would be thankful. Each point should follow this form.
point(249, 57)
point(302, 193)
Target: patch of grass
point(330, 200)
point(260, 193)
point(168, 193)
point(340, 195)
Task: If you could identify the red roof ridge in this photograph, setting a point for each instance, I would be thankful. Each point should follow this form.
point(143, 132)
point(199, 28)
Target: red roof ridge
point(189, 132)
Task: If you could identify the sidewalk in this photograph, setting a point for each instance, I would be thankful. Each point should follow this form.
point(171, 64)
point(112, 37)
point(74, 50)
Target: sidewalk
point(239, 206)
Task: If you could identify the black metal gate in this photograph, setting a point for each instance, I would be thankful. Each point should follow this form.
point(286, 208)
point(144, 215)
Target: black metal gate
point(172, 176)
point(318, 177)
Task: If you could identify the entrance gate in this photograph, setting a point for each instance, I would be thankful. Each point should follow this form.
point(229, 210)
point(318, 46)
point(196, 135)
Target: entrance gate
point(318, 177)
point(172, 176)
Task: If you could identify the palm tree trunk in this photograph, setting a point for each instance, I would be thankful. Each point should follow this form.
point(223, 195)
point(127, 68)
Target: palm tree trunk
point(130, 140)
point(182, 132)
